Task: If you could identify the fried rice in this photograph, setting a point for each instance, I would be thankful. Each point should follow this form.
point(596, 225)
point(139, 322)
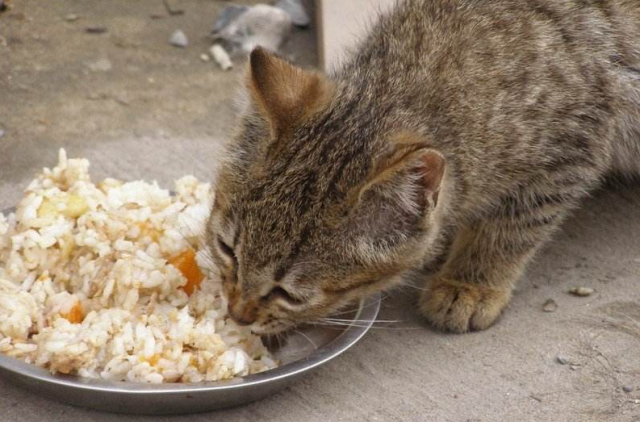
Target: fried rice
point(111, 281)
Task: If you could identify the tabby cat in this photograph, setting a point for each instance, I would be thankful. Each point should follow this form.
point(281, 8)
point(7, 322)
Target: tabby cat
point(456, 139)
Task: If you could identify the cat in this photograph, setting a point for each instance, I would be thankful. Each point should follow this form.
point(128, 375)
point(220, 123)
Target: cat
point(456, 139)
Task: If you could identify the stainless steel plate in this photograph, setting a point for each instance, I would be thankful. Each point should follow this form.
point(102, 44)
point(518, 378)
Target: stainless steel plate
point(301, 352)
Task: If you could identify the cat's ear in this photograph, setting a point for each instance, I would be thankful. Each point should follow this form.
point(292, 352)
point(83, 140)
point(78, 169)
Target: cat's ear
point(410, 169)
point(285, 94)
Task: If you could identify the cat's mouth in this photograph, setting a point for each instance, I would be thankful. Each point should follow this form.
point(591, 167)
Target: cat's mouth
point(272, 328)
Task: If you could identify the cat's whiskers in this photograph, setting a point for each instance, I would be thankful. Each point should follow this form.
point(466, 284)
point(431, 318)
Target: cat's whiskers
point(208, 260)
point(341, 325)
point(390, 321)
point(411, 286)
point(315, 347)
point(197, 234)
point(348, 311)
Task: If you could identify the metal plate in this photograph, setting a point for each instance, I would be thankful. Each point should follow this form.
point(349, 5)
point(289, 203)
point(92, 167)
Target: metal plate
point(302, 351)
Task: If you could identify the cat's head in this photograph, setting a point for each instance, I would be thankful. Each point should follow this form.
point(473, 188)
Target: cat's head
point(318, 204)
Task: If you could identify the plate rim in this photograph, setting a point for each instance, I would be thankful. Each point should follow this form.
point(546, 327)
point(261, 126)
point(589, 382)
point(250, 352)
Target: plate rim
point(366, 315)
point(368, 311)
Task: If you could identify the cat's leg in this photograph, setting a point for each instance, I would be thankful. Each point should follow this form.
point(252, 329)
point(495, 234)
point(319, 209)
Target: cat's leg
point(486, 259)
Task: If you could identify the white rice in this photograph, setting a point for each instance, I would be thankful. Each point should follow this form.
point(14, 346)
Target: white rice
point(103, 249)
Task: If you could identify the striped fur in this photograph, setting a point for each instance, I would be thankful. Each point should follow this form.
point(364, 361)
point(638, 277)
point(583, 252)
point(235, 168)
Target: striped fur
point(530, 104)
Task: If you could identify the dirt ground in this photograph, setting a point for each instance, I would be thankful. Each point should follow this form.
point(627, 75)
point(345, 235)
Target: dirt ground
point(140, 108)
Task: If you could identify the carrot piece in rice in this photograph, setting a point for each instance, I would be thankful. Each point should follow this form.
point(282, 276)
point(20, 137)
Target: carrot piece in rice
point(186, 263)
point(74, 316)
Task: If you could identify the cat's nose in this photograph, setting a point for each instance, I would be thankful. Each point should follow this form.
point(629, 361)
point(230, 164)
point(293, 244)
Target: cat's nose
point(241, 318)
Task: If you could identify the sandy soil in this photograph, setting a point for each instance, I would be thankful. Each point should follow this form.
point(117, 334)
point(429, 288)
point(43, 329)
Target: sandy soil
point(158, 112)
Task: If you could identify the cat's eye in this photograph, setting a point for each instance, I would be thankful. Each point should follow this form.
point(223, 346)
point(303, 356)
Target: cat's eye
point(280, 292)
point(226, 249)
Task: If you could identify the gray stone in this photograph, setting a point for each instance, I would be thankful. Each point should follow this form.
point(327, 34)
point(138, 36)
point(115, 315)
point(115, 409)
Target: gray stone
point(627, 388)
point(260, 26)
point(179, 39)
point(1, 133)
point(582, 291)
point(296, 10)
point(228, 15)
point(562, 360)
point(549, 305)
point(71, 17)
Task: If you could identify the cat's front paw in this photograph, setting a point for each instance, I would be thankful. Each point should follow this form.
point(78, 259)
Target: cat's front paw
point(460, 307)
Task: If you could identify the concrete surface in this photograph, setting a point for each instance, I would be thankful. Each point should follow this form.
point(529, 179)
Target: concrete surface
point(159, 113)
point(342, 24)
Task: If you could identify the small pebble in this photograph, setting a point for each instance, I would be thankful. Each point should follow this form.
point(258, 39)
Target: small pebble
point(173, 8)
point(1, 133)
point(179, 39)
point(627, 388)
point(549, 305)
point(582, 291)
point(221, 57)
point(71, 17)
point(205, 57)
point(296, 10)
point(95, 29)
point(562, 360)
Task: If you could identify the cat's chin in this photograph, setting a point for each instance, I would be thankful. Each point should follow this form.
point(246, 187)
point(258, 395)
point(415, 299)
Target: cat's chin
point(271, 329)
